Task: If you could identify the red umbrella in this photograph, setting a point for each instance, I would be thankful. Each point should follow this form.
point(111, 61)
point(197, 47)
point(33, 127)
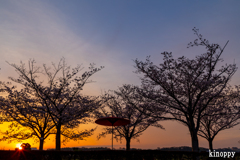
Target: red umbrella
point(112, 121)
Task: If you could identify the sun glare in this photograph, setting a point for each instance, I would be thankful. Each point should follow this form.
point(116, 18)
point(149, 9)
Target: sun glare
point(19, 146)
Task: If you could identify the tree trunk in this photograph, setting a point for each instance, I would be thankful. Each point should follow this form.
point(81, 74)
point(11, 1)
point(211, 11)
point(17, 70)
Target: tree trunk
point(41, 144)
point(193, 131)
point(128, 143)
point(195, 145)
point(210, 142)
point(58, 137)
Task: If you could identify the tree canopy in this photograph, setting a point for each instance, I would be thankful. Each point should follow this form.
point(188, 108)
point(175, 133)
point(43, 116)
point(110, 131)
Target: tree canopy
point(186, 87)
point(124, 103)
point(58, 89)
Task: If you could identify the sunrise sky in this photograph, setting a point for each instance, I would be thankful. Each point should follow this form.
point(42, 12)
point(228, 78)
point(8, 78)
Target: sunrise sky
point(112, 34)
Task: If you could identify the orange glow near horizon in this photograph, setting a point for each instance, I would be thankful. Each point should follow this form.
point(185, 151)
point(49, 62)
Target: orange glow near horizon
point(19, 146)
point(150, 139)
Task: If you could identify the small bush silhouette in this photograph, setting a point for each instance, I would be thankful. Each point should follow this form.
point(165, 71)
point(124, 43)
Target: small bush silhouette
point(26, 146)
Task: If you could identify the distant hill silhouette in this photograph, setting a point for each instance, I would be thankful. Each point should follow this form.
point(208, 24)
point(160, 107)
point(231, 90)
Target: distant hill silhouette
point(186, 148)
point(181, 148)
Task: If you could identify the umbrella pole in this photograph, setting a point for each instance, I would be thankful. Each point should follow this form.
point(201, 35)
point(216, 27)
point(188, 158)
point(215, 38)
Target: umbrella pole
point(112, 137)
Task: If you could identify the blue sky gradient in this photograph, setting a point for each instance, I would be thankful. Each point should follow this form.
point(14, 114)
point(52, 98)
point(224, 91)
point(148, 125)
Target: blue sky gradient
point(113, 34)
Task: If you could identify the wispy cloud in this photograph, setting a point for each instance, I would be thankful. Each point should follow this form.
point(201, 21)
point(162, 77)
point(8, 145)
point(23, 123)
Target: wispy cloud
point(34, 29)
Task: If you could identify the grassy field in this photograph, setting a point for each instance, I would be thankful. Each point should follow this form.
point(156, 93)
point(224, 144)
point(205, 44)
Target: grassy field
point(105, 155)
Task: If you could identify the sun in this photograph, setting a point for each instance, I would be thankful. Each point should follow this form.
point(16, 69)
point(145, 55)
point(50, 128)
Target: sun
point(19, 146)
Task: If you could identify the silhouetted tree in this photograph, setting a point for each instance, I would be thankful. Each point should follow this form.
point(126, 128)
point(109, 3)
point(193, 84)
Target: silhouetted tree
point(123, 103)
point(28, 115)
point(73, 134)
point(16, 132)
point(185, 87)
point(26, 146)
point(221, 115)
point(60, 94)
point(29, 119)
